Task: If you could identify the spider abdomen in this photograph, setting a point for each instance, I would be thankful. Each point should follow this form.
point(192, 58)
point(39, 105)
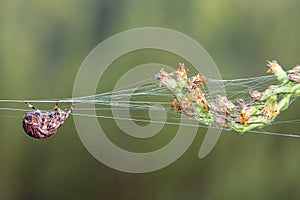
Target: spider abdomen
point(35, 125)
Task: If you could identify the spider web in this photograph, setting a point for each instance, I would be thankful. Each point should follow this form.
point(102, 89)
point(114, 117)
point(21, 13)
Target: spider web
point(138, 100)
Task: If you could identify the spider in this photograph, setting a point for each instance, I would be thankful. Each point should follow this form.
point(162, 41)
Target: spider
point(41, 125)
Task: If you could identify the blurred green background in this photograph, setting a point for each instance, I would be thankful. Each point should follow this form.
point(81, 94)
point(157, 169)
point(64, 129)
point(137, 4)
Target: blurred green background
point(42, 44)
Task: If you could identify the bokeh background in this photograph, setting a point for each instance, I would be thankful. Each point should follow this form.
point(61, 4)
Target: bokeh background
point(42, 44)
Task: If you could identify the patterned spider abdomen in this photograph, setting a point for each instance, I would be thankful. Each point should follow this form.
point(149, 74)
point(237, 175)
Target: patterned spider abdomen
point(34, 124)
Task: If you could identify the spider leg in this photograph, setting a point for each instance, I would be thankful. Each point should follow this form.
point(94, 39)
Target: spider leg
point(31, 106)
point(71, 108)
point(56, 106)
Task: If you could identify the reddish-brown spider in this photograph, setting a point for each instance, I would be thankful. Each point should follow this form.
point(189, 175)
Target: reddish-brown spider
point(41, 125)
